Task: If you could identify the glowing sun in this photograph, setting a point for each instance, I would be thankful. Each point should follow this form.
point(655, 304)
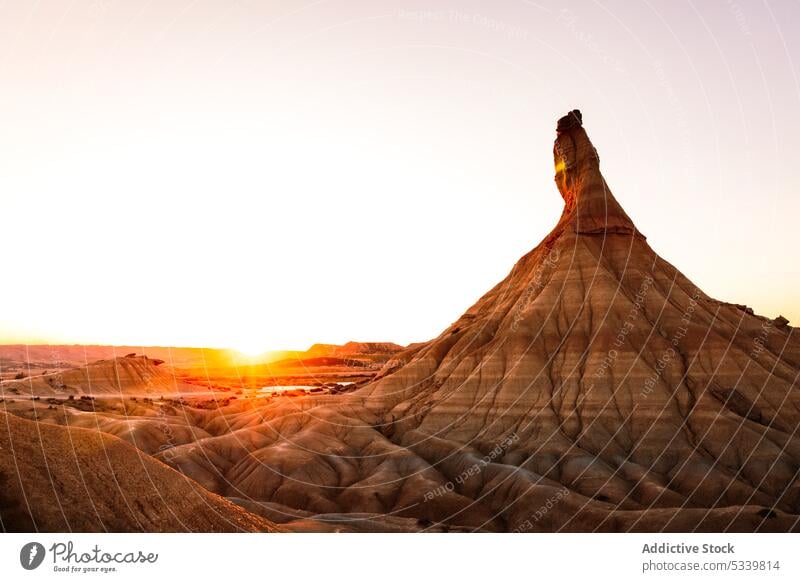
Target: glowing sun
point(250, 349)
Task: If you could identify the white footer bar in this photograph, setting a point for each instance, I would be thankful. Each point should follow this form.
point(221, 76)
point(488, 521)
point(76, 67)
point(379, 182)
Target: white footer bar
point(408, 557)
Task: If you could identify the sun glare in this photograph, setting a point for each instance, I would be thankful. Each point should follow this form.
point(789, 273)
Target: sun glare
point(250, 350)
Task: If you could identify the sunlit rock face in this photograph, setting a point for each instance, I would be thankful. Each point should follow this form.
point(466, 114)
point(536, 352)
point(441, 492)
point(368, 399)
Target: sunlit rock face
point(594, 388)
point(589, 206)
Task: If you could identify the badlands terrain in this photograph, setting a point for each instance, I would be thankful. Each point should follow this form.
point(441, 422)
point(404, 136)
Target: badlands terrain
point(595, 388)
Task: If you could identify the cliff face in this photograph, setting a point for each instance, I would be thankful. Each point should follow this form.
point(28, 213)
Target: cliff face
point(595, 381)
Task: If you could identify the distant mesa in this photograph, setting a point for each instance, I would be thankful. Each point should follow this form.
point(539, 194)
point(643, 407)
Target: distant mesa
point(353, 348)
point(351, 354)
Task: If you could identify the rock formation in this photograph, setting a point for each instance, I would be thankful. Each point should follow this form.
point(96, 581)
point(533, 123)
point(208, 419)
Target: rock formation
point(595, 388)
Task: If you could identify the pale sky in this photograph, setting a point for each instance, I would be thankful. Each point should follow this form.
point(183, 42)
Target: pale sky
point(264, 175)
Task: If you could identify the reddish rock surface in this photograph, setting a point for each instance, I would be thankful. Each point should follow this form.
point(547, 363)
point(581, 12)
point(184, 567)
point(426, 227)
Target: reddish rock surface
point(596, 388)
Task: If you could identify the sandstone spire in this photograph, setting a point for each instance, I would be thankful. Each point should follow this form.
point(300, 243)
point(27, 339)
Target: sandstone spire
point(589, 205)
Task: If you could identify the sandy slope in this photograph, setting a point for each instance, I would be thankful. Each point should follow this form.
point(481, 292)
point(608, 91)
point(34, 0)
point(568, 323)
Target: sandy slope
point(58, 479)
